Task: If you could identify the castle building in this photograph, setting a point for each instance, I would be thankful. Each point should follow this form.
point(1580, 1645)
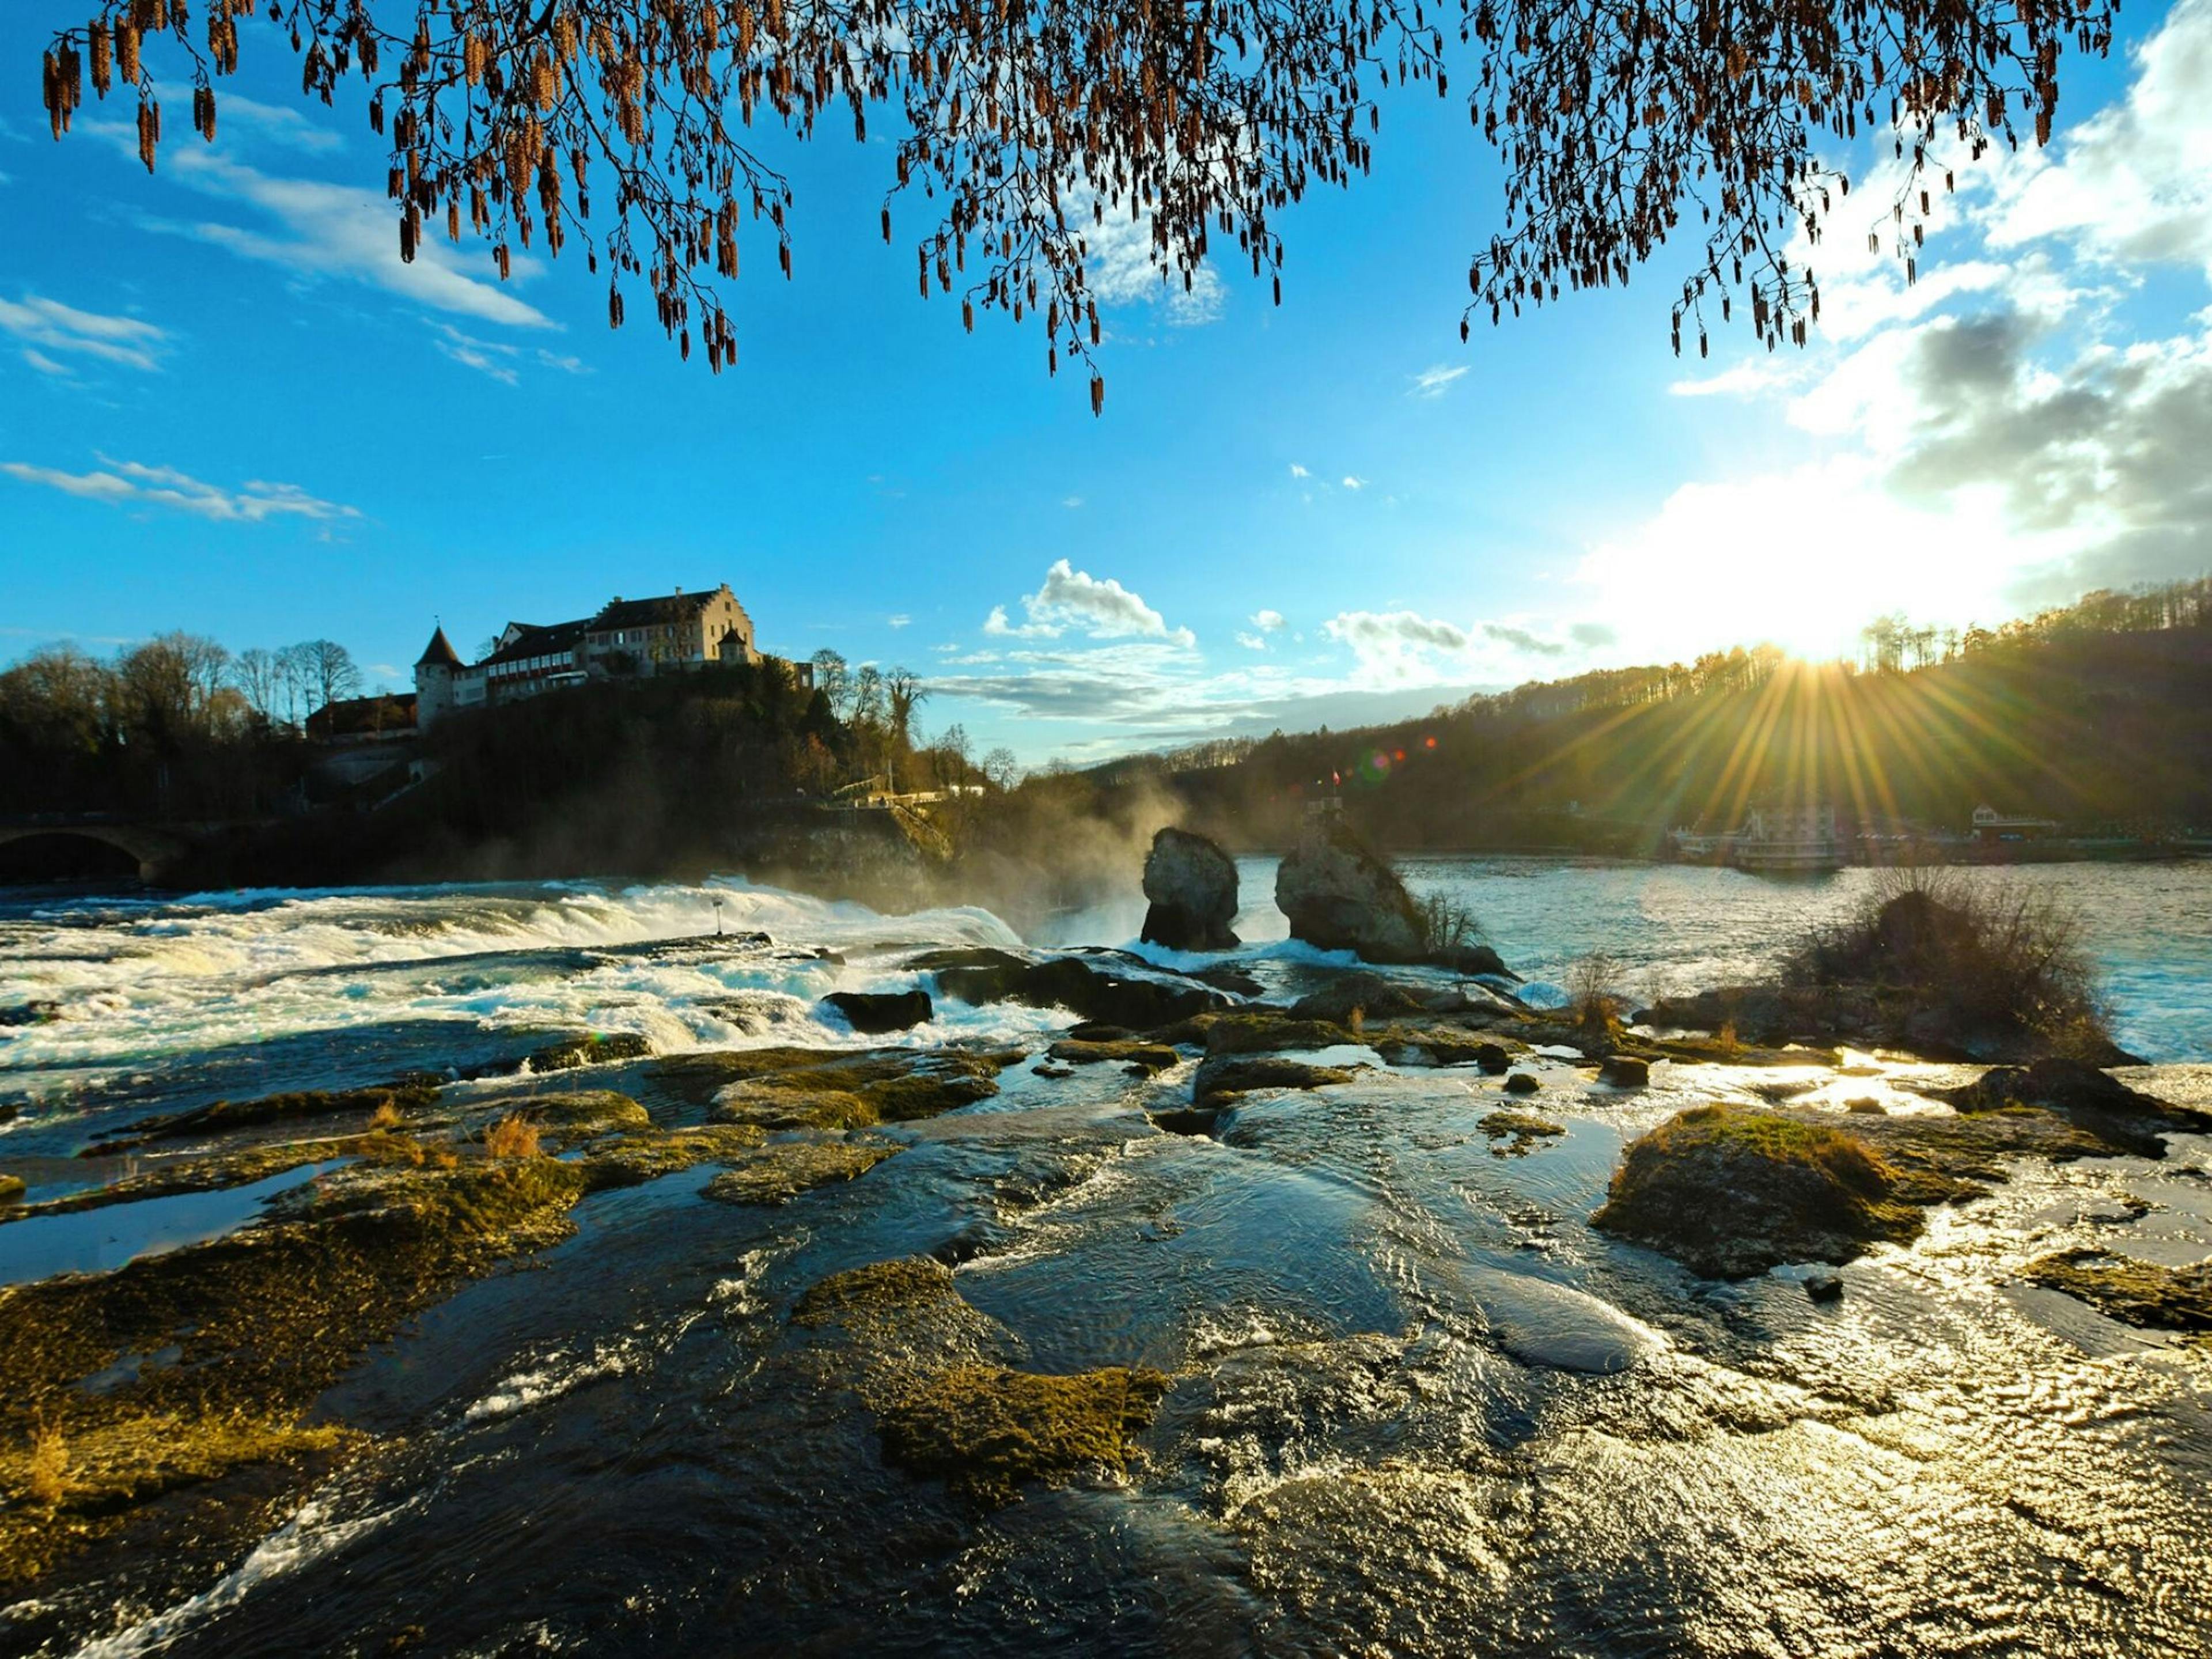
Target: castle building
point(676, 632)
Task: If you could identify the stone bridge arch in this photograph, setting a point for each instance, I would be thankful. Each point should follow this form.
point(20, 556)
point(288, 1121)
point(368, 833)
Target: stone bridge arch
point(155, 851)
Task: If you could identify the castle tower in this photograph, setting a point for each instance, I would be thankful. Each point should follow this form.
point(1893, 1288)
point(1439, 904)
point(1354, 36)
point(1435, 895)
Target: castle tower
point(433, 680)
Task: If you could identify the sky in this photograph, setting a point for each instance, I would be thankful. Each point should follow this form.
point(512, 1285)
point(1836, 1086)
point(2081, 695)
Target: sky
point(227, 407)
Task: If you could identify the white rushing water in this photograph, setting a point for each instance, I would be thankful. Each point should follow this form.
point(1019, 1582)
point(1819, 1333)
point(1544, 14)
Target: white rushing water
point(112, 993)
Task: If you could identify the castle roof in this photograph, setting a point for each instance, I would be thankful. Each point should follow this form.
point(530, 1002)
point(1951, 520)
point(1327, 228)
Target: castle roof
point(532, 640)
point(439, 653)
point(645, 613)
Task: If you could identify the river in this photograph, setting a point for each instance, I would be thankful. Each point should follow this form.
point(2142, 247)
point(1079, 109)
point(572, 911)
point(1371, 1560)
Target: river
point(1419, 1406)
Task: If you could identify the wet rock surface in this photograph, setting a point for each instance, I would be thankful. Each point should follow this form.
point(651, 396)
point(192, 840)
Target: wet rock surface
point(1096, 987)
point(912, 1349)
point(875, 1013)
point(1191, 886)
point(1340, 895)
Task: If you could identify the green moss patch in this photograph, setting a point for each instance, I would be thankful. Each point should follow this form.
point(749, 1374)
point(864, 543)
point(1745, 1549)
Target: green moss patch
point(255, 1326)
point(1732, 1192)
point(1519, 1132)
point(909, 1282)
point(780, 1172)
point(856, 1093)
point(11, 1189)
point(642, 1156)
point(2139, 1293)
point(1271, 1031)
point(987, 1431)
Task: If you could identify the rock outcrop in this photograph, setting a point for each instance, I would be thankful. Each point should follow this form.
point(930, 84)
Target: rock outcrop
point(1192, 885)
point(873, 1013)
point(1093, 987)
point(1731, 1192)
point(1340, 896)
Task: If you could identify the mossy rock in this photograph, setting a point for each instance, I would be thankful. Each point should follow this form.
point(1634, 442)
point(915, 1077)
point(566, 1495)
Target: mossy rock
point(592, 1049)
point(1271, 1031)
point(779, 1172)
point(1224, 1077)
point(1732, 1192)
point(2139, 1293)
point(259, 1322)
point(907, 1283)
point(1524, 1083)
point(639, 1158)
point(227, 1115)
point(856, 1093)
point(168, 1177)
point(1520, 1131)
point(580, 1115)
point(11, 1189)
point(988, 1431)
point(1150, 1058)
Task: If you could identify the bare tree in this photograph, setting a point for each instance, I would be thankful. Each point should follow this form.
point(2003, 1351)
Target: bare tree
point(329, 673)
point(1027, 124)
point(296, 671)
point(259, 676)
point(903, 692)
point(834, 681)
point(1001, 769)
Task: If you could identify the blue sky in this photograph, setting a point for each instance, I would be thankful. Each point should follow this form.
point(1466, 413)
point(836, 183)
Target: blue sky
point(225, 406)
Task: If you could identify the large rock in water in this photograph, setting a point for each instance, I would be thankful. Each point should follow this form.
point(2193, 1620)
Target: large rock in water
point(1341, 897)
point(1192, 885)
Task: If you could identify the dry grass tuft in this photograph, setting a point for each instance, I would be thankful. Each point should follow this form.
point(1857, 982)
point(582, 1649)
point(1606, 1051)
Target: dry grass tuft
point(386, 1116)
point(47, 1482)
point(514, 1137)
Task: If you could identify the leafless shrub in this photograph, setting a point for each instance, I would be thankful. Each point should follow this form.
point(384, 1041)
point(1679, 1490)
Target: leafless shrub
point(1447, 925)
point(1983, 954)
point(1594, 993)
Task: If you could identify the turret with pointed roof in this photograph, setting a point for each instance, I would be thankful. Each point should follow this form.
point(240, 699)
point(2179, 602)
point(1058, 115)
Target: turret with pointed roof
point(436, 671)
point(439, 653)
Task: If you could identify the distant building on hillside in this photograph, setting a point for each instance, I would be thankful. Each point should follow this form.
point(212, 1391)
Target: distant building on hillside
point(1991, 825)
point(675, 633)
point(1779, 838)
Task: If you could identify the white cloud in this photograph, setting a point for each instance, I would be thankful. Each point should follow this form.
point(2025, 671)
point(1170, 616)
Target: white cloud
point(1432, 382)
point(132, 482)
point(898, 621)
point(1267, 621)
point(279, 123)
point(1118, 264)
point(2010, 430)
point(502, 363)
point(325, 231)
point(1352, 483)
point(1252, 641)
point(1299, 471)
point(1070, 502)
point(58, 328)
point(1393, 642)
point(44, 364)
point(1103, 609)
point(2134, 181)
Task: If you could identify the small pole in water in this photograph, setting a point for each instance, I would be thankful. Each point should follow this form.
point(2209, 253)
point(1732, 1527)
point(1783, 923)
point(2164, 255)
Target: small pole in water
point(718, 918)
